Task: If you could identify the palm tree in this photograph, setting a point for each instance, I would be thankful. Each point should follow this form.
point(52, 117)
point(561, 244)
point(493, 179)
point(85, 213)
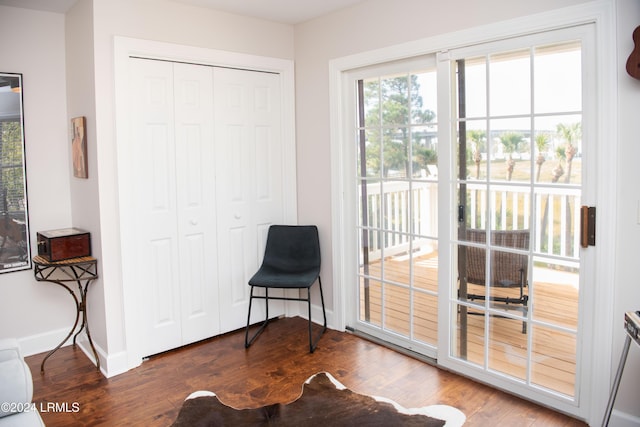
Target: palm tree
point(557, 172)
point(542, 142)
point(476, 136)
point(571, 133)
point(510, 141)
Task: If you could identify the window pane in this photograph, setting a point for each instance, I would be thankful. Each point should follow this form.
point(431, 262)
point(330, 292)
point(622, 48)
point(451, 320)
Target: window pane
point(510, 149)
point(369, 204)
point(424, 204)
point(468, 335)
point(396, 315)
point(508, 349)
point(424, 101)
point(554, 359)
point(559, 140)
point(370, 253)
point(424, 152)
point(558, 78)
point(475, 86)
point(371, 102)
point(395, 103)
point(395, 152)
point(425, 318)
point(372, 154)
point(15, 252)
point(555, 288)
point(370, 301)
point(475, 205)
point(510, 83)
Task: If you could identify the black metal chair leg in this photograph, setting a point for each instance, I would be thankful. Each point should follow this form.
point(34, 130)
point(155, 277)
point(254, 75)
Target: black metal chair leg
point(247, 341)
point(312, 346)
point(324, 313)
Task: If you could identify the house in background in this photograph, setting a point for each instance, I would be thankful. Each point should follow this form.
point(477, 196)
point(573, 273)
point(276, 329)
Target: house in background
point(70, 66)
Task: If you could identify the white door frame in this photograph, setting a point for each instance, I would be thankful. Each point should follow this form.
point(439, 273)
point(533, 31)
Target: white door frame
point(124, 48)
point(600, 314)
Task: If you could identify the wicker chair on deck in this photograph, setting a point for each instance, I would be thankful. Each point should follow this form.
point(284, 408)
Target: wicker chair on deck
point(508, 270)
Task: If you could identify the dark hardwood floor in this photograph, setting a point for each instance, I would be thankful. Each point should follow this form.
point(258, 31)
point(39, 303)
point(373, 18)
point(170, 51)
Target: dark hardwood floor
point(272, 370)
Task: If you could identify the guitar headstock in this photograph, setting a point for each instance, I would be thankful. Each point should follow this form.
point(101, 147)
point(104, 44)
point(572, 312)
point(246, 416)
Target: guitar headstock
point(633, 63)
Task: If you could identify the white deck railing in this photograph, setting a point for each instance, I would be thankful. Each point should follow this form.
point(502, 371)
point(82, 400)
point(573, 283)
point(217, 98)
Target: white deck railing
point(403, 209)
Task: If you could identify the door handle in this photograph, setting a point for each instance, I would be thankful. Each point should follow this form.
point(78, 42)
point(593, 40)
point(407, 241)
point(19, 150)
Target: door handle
point(587, 226)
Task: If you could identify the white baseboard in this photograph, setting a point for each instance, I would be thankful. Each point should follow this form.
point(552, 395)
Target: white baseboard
point(44, 342)
point(110, 364)
point(622, 419)
point(316, 313)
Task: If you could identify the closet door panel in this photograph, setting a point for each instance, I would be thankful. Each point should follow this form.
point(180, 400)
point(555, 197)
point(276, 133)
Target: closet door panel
point(155, 204)
point(196, 201)
point(267, 134)
point(207, 148)
point(248, 150)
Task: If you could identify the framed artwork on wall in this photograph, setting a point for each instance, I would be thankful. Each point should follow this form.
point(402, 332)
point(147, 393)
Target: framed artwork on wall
point(79, 147)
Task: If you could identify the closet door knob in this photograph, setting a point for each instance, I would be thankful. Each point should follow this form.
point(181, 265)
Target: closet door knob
point(193, 222)
point(237, 216)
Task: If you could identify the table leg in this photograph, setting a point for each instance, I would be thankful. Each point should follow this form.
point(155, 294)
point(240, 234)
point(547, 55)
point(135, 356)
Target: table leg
point(85, 323)
point(616, 382)
point(75, 324)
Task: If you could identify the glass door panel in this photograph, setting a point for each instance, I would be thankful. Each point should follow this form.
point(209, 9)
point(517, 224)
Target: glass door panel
point(519, 152)
point(397, 187)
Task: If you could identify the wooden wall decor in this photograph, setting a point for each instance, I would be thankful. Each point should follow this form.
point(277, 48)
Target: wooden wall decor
point(79, 147)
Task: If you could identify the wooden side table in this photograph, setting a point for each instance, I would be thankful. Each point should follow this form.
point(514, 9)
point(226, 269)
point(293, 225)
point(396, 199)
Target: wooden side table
point(82, 271)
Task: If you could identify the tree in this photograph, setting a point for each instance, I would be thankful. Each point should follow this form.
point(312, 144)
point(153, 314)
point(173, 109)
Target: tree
point(511, 142)
point(542, 142)
point(477, 137)
point(565, 153)
point(570, 133)
point(391, 105)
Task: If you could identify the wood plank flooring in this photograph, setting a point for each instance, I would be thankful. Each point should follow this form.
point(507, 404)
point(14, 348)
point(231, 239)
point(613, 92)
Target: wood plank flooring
point(271, 370)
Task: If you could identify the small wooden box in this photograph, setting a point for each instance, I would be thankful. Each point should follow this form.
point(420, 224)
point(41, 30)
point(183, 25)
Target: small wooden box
point(64, 243)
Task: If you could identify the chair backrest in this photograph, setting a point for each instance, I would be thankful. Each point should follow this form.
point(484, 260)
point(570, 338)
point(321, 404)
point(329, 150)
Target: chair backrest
point(505, 266)
point(292, 248)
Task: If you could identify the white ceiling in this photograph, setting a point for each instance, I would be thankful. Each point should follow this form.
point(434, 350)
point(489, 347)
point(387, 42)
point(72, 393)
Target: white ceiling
point(285, 11)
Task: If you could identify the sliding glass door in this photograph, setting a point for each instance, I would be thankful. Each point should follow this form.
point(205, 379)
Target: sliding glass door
point(518, 186)
point(467, 182)
point(397, 184)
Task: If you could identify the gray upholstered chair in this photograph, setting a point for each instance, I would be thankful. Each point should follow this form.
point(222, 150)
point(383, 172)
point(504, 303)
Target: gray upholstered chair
point(16, 388)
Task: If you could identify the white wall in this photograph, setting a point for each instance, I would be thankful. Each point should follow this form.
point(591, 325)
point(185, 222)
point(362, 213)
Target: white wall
point(39, 314)
point(627, 286)
point(379, 23)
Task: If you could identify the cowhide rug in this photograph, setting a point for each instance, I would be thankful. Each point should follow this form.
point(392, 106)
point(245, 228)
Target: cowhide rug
point(323, 402)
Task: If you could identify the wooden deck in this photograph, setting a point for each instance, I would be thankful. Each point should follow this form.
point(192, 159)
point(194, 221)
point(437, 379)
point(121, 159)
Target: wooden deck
point(553, 305)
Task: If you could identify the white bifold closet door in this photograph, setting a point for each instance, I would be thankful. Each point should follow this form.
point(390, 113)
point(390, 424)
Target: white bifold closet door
point(249, 184)
point(208, 179)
